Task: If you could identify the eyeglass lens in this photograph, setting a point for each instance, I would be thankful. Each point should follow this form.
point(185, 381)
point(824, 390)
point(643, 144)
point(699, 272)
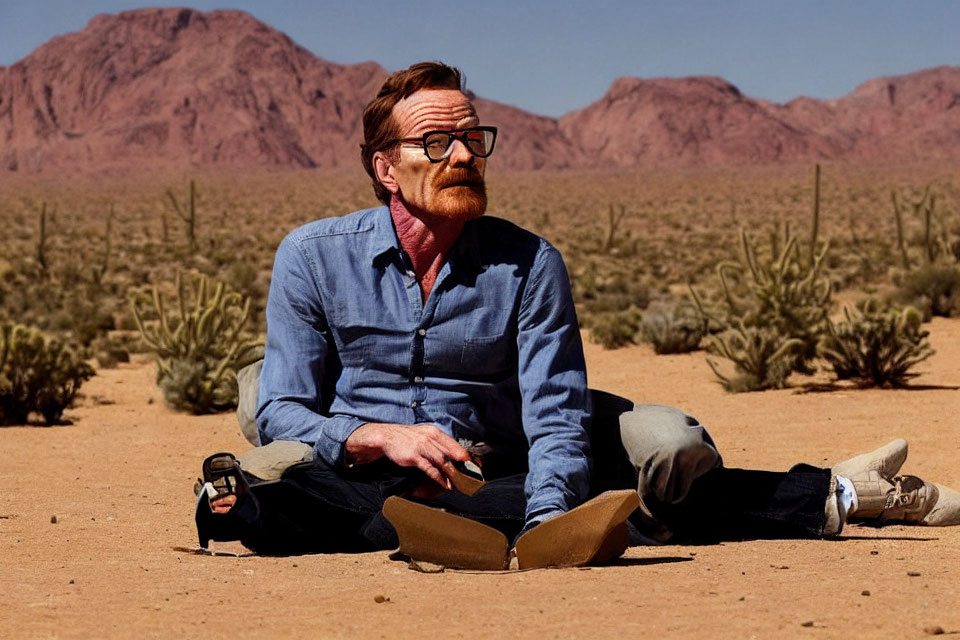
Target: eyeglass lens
point(478, 141)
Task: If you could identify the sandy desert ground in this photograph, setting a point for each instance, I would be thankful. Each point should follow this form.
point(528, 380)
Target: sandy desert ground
point(96, 531)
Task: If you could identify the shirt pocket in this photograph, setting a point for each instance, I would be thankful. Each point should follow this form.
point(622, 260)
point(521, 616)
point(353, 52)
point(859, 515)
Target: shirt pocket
point(489, 355)
point(354, 345)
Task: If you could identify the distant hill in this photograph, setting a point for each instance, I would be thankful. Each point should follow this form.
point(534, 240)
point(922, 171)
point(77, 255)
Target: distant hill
point(173, 87)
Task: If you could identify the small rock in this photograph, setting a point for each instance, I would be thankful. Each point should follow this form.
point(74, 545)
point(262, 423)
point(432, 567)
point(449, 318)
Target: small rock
point(808, 623)
point(874, 553)
point(53, 519)
point(913, 574)
point(865, 592)
point(934, 630)
point(73, 581)
point(742, 598)
point(380, 598)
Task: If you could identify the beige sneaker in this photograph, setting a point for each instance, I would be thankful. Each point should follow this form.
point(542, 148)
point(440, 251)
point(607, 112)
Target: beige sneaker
point(887, 460)
point(906, 499)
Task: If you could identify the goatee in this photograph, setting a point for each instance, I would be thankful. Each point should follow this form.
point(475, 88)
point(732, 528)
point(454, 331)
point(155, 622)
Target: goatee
point(459, 194)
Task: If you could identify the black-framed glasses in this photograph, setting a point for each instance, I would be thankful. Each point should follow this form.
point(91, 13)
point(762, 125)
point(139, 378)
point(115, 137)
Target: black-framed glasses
point(437, 144)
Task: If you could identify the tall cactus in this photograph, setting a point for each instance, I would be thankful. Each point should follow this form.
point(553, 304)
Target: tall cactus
point(781, 292)
point(200, 344)
point(187, 213)
point(774, 310)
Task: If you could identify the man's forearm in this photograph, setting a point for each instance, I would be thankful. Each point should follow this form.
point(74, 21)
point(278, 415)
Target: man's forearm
point(288, 420)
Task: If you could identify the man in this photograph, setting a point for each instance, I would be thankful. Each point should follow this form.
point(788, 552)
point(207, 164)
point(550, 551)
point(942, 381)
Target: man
point(404, 339)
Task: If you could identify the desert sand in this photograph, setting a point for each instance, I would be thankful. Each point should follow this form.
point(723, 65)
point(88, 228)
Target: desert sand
point(97, 533)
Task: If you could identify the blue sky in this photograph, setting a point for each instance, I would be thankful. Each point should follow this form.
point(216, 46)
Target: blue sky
point(551, 57)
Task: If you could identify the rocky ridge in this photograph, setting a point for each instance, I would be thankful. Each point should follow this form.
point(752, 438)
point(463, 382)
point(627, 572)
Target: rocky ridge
point(155, 87)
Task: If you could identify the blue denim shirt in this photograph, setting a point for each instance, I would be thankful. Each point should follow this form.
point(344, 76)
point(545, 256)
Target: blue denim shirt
point(493, 355)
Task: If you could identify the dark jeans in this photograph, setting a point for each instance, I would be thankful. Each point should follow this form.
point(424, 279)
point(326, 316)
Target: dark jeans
point(315, 508)
point(318, 509)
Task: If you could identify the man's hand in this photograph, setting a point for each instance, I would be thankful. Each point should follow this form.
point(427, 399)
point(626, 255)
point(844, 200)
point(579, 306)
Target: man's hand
point(423, 446)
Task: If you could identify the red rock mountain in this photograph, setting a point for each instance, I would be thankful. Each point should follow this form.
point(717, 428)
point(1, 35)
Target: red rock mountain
point(707, 121)
point(174, 87)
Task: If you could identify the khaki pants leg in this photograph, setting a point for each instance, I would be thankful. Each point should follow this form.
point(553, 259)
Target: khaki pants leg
point(668, 448)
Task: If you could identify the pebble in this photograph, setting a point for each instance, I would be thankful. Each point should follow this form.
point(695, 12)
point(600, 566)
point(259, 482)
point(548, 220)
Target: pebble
point(808, 623)
point(934, 630)
point(865, 592)
point(53, 519)
point(913, 574)
point(380, 598)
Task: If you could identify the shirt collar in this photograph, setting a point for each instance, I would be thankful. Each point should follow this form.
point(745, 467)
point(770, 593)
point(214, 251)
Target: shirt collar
point(384, 235)
point(465, 251)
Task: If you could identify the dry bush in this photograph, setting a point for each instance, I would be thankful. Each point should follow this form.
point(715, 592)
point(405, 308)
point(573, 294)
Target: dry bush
point(677, 226)
point(38, 374)
point(876, 346)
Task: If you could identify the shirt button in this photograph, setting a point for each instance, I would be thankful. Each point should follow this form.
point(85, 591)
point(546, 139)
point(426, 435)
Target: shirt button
point(413, 404)
point(421, 332)
point(411, 273)
point(417, 379)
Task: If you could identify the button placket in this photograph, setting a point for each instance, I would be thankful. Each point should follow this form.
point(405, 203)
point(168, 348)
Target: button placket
point(418, 389)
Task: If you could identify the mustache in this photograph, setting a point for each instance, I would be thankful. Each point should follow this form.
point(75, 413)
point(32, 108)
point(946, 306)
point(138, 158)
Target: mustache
point(462, 176)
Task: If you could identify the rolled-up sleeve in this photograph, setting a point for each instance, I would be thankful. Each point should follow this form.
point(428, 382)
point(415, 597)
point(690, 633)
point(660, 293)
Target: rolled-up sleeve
point(553, 386)
point(298, 344)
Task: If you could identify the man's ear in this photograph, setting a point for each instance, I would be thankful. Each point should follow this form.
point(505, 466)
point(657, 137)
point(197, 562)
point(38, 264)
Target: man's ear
point(385, 172)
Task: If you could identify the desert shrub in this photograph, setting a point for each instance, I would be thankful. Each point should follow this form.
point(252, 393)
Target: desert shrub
point(200, 344)
point(674, 327)
point(109, 350)
point(933, 287)
point(38, 374)
point(762, 357)
point(616, 329)
point(773, 306)
point(876, 346)
point(600, 293)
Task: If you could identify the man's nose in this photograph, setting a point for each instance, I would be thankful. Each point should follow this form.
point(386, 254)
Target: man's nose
point(459, 154)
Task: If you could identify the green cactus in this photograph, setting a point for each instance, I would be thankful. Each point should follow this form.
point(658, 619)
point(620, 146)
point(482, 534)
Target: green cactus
point(762, 357)
point(773, 311)
point(187, 213)
point(876, 346)
point(199, 345)
point(780, 293)
point(38, 374)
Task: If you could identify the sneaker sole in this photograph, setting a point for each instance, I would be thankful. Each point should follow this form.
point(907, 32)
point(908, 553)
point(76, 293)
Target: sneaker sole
point(436, 536)
point(593, 533)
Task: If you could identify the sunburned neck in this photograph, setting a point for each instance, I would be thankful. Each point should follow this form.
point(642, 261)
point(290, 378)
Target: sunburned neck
point(425, 238)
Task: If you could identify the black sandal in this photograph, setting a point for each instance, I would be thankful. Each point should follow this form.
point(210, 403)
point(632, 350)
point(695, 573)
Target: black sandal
point(223, 477)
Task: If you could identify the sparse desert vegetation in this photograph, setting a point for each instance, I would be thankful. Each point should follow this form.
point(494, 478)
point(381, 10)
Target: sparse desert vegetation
point(74, 251)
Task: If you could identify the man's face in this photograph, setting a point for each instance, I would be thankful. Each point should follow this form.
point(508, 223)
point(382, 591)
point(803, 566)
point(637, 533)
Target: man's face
point(452, 188)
